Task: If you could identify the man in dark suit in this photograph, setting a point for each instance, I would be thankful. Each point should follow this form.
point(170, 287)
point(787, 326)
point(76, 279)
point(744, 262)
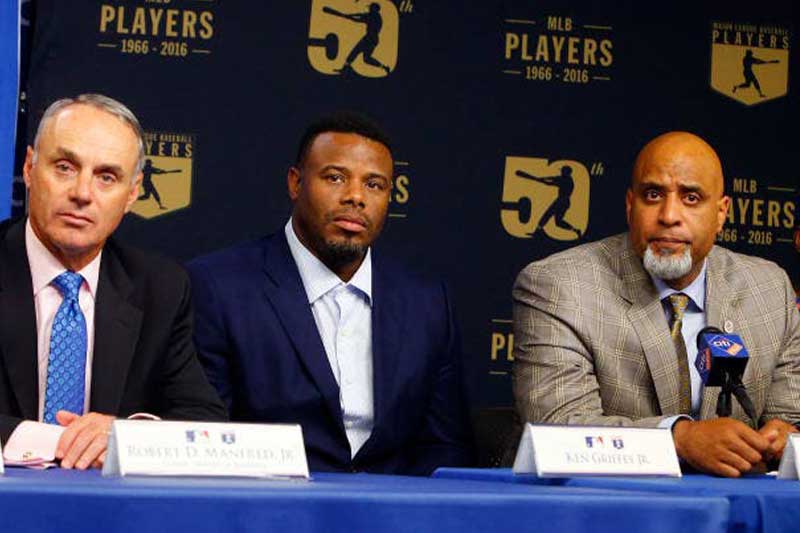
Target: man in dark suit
point(89, 329)
point(311, 326)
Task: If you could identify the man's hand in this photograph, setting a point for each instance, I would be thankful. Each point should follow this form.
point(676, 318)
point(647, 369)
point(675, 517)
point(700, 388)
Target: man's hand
point(721, 446)
point(84, 441)
point(777, 431)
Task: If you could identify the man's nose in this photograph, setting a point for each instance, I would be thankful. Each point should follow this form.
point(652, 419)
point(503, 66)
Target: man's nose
point(671, 212)
point(81, 190)
point(354, 192)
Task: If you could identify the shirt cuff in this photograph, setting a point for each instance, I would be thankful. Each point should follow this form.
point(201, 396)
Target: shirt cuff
point(143, 416)
point(32, 442)
point(669, 422)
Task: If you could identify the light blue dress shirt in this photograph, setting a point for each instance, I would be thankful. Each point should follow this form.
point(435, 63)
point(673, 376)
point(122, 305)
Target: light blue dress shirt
point(694, 319)
point(343, 314)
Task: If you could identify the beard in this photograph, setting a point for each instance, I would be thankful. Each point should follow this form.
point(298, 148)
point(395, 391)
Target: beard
point(668, 267)
point(336, 254)
point(339, 252)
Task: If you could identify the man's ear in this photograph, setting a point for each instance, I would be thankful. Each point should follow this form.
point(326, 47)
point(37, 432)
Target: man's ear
point(628, 205)
point(27, 166)
point(722, 214)
point(294, 182)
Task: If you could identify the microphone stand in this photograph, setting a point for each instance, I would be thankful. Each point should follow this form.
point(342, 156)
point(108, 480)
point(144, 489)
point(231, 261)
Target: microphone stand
point(734, 386)
point(724, 398)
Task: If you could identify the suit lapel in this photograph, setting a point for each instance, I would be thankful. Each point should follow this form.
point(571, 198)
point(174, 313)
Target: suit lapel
point(718, 294)
point(284, 289)
point(117, 323)
point(389, 318)
point(722, 311)
point(18, 322)
point(646, 315)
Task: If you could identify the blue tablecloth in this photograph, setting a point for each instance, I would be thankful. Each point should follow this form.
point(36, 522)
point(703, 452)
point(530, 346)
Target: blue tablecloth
point(758, 503)
point(62, 500)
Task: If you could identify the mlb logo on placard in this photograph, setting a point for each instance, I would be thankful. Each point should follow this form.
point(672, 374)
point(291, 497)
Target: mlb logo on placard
point(595, 442)
point(228, 437)
point(197, 436)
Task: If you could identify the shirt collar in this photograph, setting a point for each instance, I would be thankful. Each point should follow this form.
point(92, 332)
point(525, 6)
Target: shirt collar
point(45, 267)
point(317, 278)
point(696, 291)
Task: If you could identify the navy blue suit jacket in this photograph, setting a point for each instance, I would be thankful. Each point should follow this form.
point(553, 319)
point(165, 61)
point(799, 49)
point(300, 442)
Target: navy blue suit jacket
point(259, 344)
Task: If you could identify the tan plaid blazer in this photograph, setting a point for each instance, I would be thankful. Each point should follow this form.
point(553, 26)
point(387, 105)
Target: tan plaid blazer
point(592, 344)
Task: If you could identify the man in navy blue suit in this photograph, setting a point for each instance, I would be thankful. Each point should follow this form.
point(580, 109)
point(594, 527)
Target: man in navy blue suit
point(311, 326)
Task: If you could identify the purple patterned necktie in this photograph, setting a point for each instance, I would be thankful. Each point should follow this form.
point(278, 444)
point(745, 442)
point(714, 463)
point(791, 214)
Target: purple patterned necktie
point(67, 363)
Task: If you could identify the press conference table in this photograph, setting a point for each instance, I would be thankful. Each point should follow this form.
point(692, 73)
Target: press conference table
point(63, 500)
point(757, 503)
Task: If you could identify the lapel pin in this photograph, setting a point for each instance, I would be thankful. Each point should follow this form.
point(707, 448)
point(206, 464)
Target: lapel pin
point(728, 326)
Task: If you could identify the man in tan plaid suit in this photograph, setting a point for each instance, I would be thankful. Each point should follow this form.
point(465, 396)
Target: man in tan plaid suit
point(603, 332)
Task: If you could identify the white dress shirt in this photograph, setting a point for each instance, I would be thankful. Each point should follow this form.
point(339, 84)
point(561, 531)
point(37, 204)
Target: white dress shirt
point(343, 315)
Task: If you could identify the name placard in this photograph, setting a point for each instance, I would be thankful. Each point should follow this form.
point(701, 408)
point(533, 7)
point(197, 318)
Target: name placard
point(166, 448)
point(790, 466)
point(567, 451)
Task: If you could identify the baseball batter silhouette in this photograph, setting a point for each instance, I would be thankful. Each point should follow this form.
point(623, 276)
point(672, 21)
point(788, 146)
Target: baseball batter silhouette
point(561, 204)
point(149, 189)
point(365, 47)
point(747, 71)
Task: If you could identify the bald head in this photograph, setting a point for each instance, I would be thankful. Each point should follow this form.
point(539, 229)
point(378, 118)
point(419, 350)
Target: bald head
point(680, 153)
point(676, 205)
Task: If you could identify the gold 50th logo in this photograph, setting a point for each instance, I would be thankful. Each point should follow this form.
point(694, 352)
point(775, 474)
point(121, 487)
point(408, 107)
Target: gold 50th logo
point(166, 175)
point(749, 63)
point(348, 36)
point(546, 196)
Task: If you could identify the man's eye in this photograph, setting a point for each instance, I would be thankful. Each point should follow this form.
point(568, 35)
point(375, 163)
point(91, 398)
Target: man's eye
point(377, 185)
point(652, 194)
point(336, 178)
point(692, 198)
point(107, 178)
point(63, 167)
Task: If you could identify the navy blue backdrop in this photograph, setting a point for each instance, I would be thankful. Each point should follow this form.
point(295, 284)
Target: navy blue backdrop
point(471, 92)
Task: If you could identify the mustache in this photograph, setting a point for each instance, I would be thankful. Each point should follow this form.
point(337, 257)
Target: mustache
point(350, 214)
point(671, 238)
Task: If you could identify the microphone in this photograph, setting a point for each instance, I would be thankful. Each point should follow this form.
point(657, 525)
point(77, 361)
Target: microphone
point(719, 354)
point(721, 360)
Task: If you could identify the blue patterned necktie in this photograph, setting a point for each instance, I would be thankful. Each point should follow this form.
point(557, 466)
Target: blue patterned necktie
point(67, 363)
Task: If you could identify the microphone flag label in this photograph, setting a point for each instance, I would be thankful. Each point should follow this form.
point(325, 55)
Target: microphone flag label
point(717, 352)
point(731, 345)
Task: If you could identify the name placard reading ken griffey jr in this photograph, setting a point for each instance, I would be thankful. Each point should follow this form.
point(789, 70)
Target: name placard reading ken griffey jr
point(564, 451)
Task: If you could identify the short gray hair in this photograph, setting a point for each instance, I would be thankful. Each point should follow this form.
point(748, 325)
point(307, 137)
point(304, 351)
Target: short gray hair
point(103, 103)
